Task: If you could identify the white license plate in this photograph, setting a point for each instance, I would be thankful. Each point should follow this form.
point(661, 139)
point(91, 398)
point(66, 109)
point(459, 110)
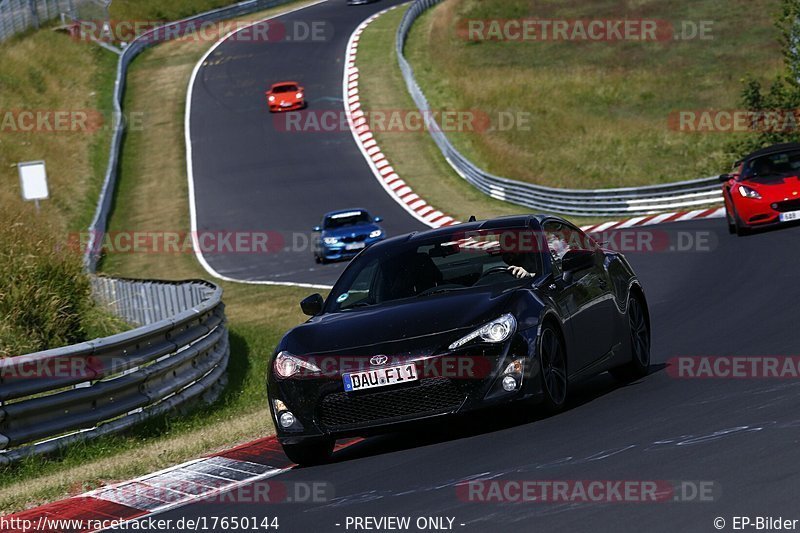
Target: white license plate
point(380, 377)
point(354, 246)
point(791, 215)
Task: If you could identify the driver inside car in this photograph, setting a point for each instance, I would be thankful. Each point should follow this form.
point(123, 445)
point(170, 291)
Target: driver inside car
point(518, 264)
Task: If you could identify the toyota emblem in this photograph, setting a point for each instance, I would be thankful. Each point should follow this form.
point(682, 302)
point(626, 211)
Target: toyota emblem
point(378, 360)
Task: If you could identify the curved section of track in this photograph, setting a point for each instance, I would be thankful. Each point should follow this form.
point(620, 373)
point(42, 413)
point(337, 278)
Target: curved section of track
point(249, 174)
point(723, 296)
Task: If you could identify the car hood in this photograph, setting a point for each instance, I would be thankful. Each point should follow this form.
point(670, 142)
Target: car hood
point(778, 189)
point(402, 326)
point(349, 231)
point(285, 97)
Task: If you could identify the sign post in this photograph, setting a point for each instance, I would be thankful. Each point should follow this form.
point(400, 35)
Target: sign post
point(33, 181)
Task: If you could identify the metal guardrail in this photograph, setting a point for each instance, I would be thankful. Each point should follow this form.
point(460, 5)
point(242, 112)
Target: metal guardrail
point(53, 398)
point(598, 202)
point(169, 31)
point(17, 16)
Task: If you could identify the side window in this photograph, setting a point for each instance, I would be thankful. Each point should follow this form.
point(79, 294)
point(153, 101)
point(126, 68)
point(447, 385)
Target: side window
point(561, 238)
point(361, 289)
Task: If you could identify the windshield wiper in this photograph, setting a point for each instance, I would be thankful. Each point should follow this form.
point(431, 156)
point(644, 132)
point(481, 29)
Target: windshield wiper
point(438, 291)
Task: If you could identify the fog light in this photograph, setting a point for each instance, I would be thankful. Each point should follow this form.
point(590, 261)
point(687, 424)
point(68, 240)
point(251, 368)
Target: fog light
point(509, 383)
point(287, 419)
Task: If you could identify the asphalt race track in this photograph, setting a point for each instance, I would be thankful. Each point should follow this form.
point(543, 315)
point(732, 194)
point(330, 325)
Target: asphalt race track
point(254, 172)
point(728, 296)
point(733, 297)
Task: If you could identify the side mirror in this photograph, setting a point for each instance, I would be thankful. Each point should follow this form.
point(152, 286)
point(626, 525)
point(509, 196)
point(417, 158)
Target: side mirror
point(316, 228)
point(377, 219)
point(577, 260)
point(725, 177)
point(312, 306)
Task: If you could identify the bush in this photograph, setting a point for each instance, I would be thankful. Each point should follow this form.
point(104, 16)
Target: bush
point(45, 297)
point(783, 94)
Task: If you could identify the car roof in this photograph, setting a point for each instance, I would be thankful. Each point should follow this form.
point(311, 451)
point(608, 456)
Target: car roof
point(282, 83)
point(774, 149)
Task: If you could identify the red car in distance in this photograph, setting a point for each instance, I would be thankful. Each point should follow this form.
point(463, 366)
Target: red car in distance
point(285, 96)
point(763, 189)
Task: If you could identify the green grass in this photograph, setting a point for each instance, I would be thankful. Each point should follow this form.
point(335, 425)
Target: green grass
point(414, 155)
point(152, 195)
point(599, 110)
point(48, 71)
point(160, 10)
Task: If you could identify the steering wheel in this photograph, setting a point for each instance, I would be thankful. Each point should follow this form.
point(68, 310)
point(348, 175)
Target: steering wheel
point(497, 270)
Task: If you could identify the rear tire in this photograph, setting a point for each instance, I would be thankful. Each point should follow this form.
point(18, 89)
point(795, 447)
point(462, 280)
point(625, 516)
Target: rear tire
point(639, 366)
point(310, 452)
point(553, 366)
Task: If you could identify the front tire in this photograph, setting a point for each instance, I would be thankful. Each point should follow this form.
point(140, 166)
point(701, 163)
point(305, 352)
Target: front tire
point(310, 452)
point(639, 366)
point(738, 226)
point(731, 222)
point(553, 365)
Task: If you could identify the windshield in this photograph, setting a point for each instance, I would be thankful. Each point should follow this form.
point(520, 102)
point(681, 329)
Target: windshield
point(772, 166)
point(351, 218)
point(420, 269)
point(284, 88)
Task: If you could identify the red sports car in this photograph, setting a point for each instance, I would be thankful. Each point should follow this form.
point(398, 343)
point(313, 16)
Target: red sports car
point(286, 96)
point(763, 189)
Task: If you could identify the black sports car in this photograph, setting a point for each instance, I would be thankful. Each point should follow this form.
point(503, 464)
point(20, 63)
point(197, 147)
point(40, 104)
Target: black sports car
point(453, 319)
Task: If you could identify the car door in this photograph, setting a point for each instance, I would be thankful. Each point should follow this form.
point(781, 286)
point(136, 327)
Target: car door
point(585, 299)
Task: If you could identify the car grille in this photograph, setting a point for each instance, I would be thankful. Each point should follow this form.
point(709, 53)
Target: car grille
point(357, 238)
point(789, 205)
point(432, 396)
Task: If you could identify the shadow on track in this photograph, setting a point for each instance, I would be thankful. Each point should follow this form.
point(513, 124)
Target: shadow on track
point(490, 420)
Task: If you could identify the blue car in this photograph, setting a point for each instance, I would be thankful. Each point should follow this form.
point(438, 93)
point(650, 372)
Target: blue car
point(344, 234)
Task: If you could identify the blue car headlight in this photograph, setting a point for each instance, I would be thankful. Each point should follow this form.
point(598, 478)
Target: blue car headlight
point(330, 240)
point(375, 234)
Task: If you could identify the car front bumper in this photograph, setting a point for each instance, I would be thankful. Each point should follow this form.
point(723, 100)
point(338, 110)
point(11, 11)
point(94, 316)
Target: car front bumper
point(322, 408)
point(339, 251)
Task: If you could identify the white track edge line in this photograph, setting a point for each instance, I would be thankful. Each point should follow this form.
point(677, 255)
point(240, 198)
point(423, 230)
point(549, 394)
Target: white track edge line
point(190, 164)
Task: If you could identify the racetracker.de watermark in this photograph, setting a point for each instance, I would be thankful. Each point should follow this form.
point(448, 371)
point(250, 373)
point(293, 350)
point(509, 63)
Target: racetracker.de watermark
point(735, 121)
point(606, 30)
point(85, 121)
point(586, 491)
point(402, 121)
point(734, 367)
point(242, 31)
point(177, 242)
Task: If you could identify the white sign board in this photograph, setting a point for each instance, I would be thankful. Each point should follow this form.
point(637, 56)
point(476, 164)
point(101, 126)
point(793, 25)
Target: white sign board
point(33, 180)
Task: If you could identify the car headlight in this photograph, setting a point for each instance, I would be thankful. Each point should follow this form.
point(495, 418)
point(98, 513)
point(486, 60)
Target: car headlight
point(495, 331)
point(747, 192)
point(298, 95)
point(375, 234)
point(286, 365)
point(330, 240)
point(271, 98)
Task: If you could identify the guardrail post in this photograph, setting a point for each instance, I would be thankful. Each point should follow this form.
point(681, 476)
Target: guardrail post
point(34, 14)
